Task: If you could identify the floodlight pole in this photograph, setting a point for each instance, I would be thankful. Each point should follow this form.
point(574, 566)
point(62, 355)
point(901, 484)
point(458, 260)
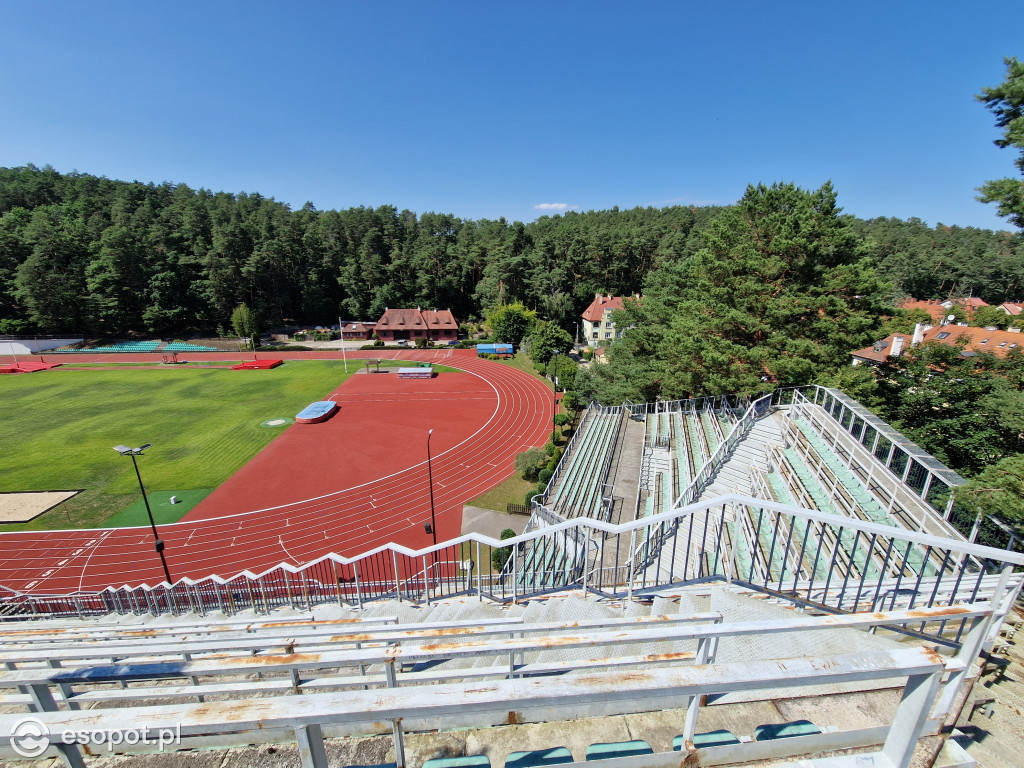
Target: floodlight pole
point(158, 542)
point(554, 396)
point(430, 479)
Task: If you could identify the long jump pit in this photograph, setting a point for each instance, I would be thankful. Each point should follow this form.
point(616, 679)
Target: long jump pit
point(24, 506)
point(377, 439)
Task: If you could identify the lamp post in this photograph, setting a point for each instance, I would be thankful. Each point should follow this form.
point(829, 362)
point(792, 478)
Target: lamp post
point(430, 480)
point(554, 404)
point(124, 450)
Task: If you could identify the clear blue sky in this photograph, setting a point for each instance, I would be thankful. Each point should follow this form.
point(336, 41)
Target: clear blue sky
point(489, 109)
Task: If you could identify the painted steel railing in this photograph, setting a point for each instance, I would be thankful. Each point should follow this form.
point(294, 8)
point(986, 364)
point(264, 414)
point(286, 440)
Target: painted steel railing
point(812, 558)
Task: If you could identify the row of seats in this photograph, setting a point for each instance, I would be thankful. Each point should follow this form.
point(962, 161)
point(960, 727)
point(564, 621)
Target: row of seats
point(578, 492)
point(539, 758)
point(126, 346)
point(180, 346)
point(865, 506)
point(547, 564)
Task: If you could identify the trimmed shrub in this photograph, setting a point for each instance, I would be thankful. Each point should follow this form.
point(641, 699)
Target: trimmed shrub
point(500, 556)
point(529, 462)
point(545, 475)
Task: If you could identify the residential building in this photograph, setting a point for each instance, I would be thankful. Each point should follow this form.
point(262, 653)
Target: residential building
point(357, 331)
point(597, 322)
point(412, 324)
point(976, 340)
point(940, 310)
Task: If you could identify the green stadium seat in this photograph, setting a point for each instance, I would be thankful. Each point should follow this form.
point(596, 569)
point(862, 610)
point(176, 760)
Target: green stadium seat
point(538, 758)
point(718, 738)
point(466, 761)
point(607, 751)
point(785, 730)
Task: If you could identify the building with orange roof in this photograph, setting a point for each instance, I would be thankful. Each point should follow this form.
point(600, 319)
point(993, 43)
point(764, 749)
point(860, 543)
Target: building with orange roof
point(1011, 308)
point(597, 322)
point(975, 340)
point(412, 324)
point(933, 307)
point(939, 310)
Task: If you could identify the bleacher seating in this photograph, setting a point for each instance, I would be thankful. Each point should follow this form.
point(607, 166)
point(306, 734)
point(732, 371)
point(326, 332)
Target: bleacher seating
point(578, 491)
point(845, 497)
point(125, 346)
point(180, 346)
point(355, 675)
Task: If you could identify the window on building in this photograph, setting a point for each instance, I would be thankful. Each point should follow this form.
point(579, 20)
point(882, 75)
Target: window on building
point(608, 324)
point(943, 335)
point(608, 334)
point(1003, 344)
point(983, 341)
point(596, 334)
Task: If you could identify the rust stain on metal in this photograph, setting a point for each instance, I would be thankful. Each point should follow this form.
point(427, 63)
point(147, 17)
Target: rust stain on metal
point(291, 658)
point(411, 634)
point(949, 610)
point(512, 719)
point(934, 656)
point(328, 622)
point(670, 656)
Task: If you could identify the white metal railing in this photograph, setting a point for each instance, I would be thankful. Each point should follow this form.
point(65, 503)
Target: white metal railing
point(818, 546)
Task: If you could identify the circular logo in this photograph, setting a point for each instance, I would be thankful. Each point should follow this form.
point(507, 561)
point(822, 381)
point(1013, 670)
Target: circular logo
point(29, 737)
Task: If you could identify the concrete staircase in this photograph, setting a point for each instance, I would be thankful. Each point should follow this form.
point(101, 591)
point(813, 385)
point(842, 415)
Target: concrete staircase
point(752, 450)
point(732, 477)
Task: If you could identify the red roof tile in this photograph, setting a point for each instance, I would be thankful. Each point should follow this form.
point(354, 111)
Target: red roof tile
point(595, 312)
point(417, 318)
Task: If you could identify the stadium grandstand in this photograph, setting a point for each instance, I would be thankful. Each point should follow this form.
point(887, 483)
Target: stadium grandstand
point(783, 580)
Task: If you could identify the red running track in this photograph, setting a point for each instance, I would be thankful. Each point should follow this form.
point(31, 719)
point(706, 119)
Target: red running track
point(470, 455)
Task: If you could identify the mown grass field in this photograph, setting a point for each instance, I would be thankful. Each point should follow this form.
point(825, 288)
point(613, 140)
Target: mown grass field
point(58, 429)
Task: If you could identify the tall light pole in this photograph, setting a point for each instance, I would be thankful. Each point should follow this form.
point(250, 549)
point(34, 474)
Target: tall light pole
point(430, 479)
point(554, 395)
point(124, 450)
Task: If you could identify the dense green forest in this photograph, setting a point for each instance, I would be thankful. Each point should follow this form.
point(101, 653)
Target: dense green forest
point(86, 254)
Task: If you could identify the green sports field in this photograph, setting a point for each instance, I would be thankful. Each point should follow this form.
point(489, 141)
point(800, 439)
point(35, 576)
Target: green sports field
point(58, 429)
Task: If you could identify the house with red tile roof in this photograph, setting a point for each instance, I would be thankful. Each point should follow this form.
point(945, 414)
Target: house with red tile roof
point(1011, 308)
point(357, 330)
point(933, 307)
point(999, 343)
point(940, 310)
point(597, 323)
point(412, 324)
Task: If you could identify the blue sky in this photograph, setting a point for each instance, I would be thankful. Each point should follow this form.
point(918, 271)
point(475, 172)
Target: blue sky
point(489, 109)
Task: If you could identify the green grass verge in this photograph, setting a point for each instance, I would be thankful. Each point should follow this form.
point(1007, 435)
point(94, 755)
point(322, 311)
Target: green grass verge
point(525, 363)
point(163, 510)
point(59, 427)
point(512, 491)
